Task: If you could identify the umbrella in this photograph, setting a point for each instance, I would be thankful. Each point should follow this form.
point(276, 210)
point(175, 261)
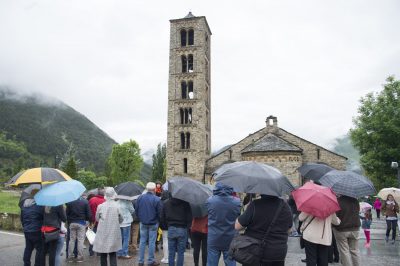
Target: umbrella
point(348, 183)
point(199, 210)
point(189, 190)
point(59, 193)
point(365, 206)
point(94, 191)
point(38, 176)
point(314, 171)
point(395, 192)
point(128, 190)
point(253, 177)
point(316, 200)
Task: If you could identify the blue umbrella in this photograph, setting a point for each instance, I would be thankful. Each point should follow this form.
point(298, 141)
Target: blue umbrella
point(59, 193)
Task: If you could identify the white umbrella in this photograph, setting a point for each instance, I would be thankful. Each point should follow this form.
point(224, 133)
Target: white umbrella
point(395, 192)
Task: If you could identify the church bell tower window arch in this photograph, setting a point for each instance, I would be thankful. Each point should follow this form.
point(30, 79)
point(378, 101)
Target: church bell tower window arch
point(187, 37)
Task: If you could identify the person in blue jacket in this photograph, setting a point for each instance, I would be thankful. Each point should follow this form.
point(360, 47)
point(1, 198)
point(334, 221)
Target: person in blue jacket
point(223, 209)
point(32, 220)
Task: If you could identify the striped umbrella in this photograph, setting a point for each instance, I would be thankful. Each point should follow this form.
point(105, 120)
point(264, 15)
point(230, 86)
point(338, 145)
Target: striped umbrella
point(38, 176)
point(348, 183)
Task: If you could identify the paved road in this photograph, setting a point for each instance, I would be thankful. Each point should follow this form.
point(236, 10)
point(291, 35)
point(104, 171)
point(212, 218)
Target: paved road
point(380, 253)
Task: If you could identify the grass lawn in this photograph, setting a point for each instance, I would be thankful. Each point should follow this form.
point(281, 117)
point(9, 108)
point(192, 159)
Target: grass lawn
point(9, 202)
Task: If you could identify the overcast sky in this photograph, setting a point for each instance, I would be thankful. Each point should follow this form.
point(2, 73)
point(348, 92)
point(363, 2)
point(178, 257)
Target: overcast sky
point(306, 62)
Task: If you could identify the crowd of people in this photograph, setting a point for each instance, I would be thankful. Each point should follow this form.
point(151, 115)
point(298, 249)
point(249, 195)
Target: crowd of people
point(331, 239)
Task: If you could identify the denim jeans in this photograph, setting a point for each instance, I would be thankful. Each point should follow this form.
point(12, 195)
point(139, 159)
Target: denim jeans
point(213, 257)
point(391, 225)
point(125, 234)
point(33, 240)
point(60, 245)
point(75, 251)
point(77, 233)
point(147, 233)
point(177, 237)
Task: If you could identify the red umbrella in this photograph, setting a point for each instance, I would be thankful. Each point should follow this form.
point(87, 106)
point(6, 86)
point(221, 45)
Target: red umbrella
point(316, 200)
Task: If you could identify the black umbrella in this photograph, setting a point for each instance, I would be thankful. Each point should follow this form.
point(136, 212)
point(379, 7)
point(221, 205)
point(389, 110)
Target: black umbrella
point(128, 190)
point(199, 210)
point(314, 171)
point(253, 177)
point(189, 190)
point(348, 183)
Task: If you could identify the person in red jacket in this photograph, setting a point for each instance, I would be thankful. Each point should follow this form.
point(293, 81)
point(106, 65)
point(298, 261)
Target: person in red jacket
point(94, 202)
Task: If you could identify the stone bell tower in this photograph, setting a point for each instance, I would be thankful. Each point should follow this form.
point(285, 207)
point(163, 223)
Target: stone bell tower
point(189, 101)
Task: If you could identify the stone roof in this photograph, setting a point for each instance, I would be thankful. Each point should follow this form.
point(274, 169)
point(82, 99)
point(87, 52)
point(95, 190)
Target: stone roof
point(269, 143)
point(189, 15)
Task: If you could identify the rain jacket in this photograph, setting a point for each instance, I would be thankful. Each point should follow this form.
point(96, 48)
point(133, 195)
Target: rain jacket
point(126, 210)
point(223, 209)
point(348, 215)
point(31, 216)
point(93, 203)
point(176, 213)
point(108, 236)
point(78, 211)
point(148, 208)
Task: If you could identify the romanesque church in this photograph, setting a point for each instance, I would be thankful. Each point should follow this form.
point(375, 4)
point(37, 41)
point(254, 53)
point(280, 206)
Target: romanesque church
point(189, 117)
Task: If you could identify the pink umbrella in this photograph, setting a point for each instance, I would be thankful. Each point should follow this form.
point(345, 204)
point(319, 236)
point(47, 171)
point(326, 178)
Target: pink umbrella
point(365, 206)
point(316, 200)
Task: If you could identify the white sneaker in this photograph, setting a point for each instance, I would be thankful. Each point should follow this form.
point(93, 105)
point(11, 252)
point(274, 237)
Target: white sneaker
point(164, 261)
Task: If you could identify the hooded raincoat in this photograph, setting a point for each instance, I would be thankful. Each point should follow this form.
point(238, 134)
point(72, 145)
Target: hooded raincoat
point(223, 209)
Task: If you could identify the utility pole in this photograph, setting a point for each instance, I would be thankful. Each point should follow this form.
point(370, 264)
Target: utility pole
point(395, 165)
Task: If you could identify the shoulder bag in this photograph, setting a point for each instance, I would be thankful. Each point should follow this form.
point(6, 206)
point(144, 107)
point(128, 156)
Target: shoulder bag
point(249, 250)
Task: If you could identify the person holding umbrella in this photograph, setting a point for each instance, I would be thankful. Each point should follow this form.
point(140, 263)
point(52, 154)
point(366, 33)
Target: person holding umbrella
point(347, 232)
point(177, 215)
point(32, 220)
point(268, 214)
point(317, 235)
point(318, 205)
point(390, 208)
point(52, 218)
point(223, 209)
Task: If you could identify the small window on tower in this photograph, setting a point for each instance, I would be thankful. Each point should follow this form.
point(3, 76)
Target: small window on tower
point(182, 140)
point(182, 115)
point(187, 140)
point(318, 154)
point(190, 90)
point(186, 116)
point(183, 37)
point(185, 165)
point(184, 89)
point(191, 37)
point(190, 63)
point(184, 63)
point(190, 115)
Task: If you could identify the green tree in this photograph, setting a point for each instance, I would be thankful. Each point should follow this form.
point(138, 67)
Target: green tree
point(159, 158)
point(376, 133)
point(90, 180)
point(125, 162)
point(71, 167)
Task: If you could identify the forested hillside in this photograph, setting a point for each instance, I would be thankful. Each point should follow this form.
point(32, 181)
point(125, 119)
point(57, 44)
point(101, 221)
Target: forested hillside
point(43, 129)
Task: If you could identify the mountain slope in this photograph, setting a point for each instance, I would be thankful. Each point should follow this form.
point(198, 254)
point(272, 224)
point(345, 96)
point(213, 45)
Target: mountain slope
point(47, 127)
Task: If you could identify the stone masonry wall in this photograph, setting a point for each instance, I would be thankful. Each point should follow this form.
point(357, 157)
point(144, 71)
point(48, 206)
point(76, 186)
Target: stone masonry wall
point(286, 163)
point(200, 128)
